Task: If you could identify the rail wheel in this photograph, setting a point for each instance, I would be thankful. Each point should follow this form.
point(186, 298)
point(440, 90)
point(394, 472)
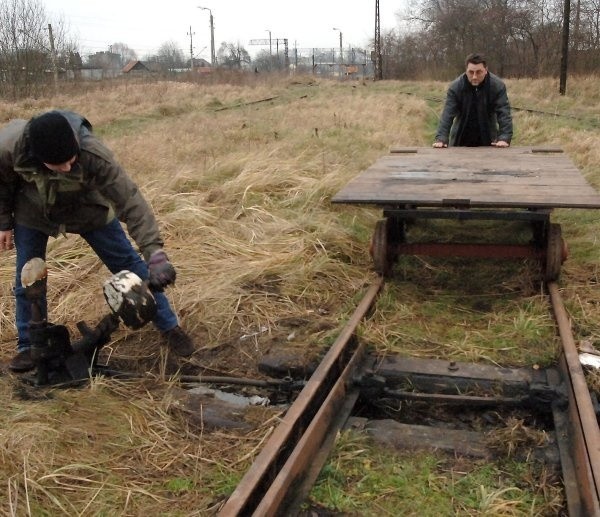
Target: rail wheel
point(388, 234)
point(556, 252)
point(380, 250)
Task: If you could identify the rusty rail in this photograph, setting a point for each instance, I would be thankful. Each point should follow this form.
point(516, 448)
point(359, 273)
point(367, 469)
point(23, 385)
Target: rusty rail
point(281, 465)
point(583, 425)
point(281, 475)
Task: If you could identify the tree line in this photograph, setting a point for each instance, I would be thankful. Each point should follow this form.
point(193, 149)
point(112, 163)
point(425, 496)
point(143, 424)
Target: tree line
point(35, 50)
point(522, 38)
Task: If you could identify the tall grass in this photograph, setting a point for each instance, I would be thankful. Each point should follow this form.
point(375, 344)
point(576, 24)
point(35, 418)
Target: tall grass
point(242, 190)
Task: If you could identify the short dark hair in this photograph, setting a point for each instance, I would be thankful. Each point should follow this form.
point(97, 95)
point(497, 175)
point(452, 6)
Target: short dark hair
point(475, 59)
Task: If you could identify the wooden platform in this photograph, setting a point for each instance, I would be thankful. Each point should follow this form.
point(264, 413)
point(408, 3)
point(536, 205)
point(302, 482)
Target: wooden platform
point(474, 177)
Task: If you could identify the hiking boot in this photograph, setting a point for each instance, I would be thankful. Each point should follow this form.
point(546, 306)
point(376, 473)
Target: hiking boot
point(22, 362)
point(178, 341)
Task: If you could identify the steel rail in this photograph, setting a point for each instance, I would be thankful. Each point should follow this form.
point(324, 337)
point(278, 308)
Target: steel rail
point(288, 454)
point(280, 474)
point(583, 425)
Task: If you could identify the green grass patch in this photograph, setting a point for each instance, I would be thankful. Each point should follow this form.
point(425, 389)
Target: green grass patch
point(361, 479)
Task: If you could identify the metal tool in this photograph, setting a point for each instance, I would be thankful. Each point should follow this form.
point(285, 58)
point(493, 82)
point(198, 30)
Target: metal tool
point(56, 358)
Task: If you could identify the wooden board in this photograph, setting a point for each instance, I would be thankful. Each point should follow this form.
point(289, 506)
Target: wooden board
point(514, 177)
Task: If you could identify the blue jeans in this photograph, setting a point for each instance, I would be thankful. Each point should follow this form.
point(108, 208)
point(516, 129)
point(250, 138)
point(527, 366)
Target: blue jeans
point(112, 247)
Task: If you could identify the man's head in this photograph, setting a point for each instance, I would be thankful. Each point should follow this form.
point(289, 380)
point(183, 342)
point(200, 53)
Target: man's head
point(52, 141)
point(476, 68)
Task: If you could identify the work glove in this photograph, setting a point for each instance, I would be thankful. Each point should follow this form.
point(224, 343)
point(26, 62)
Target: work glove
point(161, 271)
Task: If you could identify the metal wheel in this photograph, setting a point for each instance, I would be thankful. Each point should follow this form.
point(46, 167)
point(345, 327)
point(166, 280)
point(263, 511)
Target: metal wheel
point(539, 233)
point(380, 251)
point(556, 252)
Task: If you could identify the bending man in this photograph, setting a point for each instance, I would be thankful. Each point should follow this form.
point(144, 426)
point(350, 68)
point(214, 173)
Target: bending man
point(57, 177)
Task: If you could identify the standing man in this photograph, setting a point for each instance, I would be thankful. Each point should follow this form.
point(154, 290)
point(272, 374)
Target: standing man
point(477, 111)
point(57, 177)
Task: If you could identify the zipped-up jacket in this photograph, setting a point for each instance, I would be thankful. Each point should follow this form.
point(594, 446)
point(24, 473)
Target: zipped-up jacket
point(91, 195)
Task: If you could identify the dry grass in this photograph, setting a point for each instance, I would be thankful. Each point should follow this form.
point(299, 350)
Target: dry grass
point(516, 436)
point(241, 191)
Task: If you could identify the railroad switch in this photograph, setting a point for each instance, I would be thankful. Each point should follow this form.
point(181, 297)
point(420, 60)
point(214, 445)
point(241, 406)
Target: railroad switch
point(371, 385)
point(542, 394)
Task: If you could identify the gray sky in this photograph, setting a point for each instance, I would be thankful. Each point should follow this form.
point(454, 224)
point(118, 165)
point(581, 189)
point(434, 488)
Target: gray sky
point(144, 26)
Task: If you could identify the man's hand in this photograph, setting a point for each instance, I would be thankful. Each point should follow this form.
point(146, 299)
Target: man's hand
point(501, 143)
point(161, 271)
point(6, 240)
point(439, 145)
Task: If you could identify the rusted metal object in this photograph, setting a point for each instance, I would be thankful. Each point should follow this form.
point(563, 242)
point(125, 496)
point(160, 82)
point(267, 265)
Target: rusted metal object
point(582, 426)
point(556, 252)
point(513, 184)
point(473, 250)
point(547, 245)
point(451, 377)
point(280, 466)
point(283, 472)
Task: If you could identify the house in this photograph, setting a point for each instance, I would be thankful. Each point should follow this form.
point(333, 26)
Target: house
point(136, 67)
point(200, 65)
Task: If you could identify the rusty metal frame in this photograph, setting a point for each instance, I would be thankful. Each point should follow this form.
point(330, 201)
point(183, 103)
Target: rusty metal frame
point(472, 250)
point(282, 462)
point(465, 214)
point(279, 476)
point(583, 425)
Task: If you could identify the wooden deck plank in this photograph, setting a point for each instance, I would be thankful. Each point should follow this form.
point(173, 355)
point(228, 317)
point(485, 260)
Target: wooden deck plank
point(517, 177)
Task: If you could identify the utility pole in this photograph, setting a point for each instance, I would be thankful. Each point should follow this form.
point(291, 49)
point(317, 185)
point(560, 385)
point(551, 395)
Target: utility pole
point(213, 59)
point(295, 56)
point(54, 60)
point(270, 43)
point(286, 54)
point(190, 34)
point(564, 47)
point(341, 51)
point(378, 72)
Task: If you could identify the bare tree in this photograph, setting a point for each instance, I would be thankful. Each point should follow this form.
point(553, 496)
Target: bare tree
point(67, 49)
point(263, 61)
point(232, 55)
point(169, 57)
point(520, 37)
point(587, 35)
point(127, 54)
point(24, 47)
point(29, 57)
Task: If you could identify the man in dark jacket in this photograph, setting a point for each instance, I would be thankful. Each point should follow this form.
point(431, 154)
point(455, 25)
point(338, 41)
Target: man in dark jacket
point(477, 111)
point(57, 177)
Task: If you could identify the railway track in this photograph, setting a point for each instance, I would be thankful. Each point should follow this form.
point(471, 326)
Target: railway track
point(515, 184)
point(281, 477)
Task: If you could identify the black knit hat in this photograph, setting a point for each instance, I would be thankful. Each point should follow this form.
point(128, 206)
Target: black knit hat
point(51, 138)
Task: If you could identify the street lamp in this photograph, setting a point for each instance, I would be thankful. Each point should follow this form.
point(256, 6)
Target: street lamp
point(270, 43)
point(213, 61)
point(341, 50)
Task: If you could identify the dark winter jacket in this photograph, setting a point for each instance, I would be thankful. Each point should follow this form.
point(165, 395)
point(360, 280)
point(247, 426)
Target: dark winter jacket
point(493, 111)
point(90, 196)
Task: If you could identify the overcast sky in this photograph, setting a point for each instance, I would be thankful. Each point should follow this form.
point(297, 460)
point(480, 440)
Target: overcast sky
point(143, 26)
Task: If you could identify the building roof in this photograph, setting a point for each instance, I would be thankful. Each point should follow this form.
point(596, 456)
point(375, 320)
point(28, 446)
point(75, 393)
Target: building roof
point(135, 65)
